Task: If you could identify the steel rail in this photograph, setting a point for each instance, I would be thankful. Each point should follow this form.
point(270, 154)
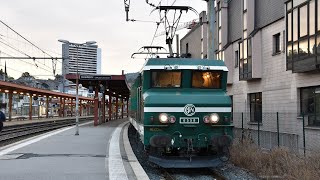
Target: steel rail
point(15, 131)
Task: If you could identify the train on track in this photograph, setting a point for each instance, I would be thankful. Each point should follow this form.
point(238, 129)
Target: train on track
point(182, 112)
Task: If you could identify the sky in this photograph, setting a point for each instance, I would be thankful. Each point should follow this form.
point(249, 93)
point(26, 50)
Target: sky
point(45, 21)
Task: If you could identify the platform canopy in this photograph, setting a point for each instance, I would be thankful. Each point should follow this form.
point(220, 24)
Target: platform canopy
point(8, 87)
point(111, 84)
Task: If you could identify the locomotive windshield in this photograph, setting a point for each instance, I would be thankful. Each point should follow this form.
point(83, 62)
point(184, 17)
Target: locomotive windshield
point(166, 79)
point(206, 79)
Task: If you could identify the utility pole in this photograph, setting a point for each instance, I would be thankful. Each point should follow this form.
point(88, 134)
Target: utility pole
point(127, 8)
point(211, 30)
point(77, 45)
point(4, 79)
point(4, 94)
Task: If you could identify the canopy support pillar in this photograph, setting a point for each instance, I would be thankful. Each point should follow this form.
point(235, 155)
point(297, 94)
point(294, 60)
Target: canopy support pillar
point(122, 106)
point(47, 107)
point(30, 106)
point(10, 106)
point(117, 107)
point(96, 106)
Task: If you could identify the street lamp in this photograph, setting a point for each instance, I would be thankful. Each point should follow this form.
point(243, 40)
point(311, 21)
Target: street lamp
point(77, 45)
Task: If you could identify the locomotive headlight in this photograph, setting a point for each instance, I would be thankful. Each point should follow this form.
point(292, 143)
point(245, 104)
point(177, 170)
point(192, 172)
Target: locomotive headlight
point(163, 118)
point(214, 118)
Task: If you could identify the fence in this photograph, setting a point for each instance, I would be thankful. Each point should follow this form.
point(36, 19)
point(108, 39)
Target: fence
point(270, 130)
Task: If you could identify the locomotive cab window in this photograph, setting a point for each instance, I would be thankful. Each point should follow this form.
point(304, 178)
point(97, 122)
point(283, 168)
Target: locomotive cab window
point(166, 79)
point(206, 79)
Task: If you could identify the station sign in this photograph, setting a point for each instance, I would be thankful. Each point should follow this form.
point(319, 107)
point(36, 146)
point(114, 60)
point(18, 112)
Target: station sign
point(94, 77)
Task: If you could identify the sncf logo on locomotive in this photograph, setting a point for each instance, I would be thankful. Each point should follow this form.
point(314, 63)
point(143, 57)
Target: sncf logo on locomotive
point(189, 110)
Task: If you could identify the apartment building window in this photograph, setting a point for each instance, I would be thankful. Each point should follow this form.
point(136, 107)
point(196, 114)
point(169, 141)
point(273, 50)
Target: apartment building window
point(255, 107)
point(303, 35)
point(276, 44)
point(245, 59)
point(220, 54)
point(236, 59)
point(245, 47)
point(310, 104)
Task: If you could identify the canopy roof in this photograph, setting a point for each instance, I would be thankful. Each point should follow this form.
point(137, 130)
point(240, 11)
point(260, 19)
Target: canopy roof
point(9, 87)
point(114, 84)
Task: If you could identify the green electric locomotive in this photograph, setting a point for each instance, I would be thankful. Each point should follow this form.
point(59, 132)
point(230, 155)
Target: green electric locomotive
point(181, 110)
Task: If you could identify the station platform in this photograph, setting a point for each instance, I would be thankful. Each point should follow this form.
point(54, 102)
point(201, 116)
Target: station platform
point(99, 152)
point(20, 122)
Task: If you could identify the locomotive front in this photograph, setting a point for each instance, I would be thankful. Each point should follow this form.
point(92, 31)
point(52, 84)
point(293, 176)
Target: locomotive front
point(186, 112)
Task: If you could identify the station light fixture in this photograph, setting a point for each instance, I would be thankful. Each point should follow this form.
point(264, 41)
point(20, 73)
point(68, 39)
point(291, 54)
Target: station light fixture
point(15, 92)
point(21, 93)
point(6, 91)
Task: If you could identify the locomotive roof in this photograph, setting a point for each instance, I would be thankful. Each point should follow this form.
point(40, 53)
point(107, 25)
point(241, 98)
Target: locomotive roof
point(184, 63)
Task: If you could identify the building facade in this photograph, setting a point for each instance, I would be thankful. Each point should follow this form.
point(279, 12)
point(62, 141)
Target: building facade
point(82, 59)
point(272, 50)
point(194, 42)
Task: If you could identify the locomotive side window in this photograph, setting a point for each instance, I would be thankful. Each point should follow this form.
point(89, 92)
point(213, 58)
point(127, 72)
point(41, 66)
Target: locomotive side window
point(206, 79)
point(166, 79)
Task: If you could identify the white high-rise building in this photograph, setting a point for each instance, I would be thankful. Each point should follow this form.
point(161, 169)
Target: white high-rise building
point(83, 59)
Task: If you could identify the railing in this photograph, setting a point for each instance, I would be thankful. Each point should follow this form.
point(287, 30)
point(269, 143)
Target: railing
point(276, 129)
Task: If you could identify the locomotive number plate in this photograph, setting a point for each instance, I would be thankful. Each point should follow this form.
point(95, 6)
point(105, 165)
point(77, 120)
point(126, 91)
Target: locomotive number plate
point(189, 120)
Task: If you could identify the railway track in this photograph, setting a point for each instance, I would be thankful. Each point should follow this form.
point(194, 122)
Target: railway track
point(185, 174)
point(17, 131)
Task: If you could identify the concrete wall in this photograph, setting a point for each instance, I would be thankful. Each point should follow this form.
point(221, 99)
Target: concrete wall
point(197, 41)
point(280, 88)
point(268, 11)
point(280, 91)
point(234, 20)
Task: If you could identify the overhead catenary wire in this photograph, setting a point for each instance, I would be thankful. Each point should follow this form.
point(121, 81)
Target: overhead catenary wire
point(154, 36)
point(54, 60)
point(4, 36)
point(24, 38)
point(15, 49)
point(28, 56)
point(143, 21)
point(12, 69)
point(28, 62)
